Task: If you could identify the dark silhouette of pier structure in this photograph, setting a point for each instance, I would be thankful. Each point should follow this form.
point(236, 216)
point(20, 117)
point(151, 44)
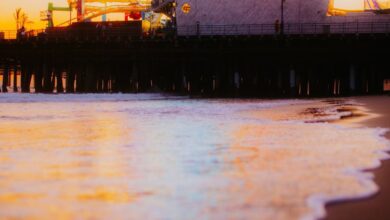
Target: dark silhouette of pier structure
point(211, 61)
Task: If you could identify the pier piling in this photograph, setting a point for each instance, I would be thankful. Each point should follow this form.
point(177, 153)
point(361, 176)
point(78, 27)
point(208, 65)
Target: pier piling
point(5, 78)
point(228, 66)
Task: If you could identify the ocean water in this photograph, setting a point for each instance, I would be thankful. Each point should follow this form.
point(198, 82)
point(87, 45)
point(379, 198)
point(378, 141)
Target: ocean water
point(162, 157)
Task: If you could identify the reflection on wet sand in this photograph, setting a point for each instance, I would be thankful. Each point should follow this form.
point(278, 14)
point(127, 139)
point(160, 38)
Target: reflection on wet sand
point(67, 158)
point(181, 159)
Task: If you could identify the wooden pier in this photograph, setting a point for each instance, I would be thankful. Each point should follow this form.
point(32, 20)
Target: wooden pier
point(309, 65)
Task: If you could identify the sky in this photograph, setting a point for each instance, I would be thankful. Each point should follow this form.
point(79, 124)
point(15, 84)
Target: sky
point(33, 8)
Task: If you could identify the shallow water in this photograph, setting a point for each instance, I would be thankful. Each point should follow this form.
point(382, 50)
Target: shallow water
point(155, 157)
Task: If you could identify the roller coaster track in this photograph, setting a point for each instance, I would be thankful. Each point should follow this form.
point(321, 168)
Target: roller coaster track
point(93, 12)
point(369, 6)
point(119, 1)
point(161, 5)
point(377, 7)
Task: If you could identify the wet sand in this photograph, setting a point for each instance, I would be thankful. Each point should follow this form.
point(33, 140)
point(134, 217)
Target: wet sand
point(376, 207)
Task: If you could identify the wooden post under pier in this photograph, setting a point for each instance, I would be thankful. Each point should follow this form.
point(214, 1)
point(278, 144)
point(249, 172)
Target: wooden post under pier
point(47, 78)
point(15, 78)
point(70, 79)
point(80, 79)
point(24, 77)
point(38, 78)
point(5, 78)
point(58, 74)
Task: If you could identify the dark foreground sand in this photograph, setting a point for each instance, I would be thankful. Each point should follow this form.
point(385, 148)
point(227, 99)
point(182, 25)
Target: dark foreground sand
point(377, 207)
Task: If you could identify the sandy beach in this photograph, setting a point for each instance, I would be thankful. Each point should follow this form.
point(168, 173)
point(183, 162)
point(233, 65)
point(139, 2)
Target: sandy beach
point(375, 207)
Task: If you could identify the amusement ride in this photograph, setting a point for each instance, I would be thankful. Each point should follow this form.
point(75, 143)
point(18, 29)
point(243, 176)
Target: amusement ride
point(375, 6)
point(153, 10)
point(160, 11)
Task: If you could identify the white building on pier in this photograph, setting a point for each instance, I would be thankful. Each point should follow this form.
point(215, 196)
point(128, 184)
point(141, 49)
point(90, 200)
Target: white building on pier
point(208, 14)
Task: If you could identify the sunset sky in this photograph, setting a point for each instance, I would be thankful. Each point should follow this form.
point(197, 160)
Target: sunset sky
point(33, 8)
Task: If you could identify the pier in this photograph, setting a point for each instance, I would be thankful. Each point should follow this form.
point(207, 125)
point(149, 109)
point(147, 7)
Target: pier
point(307, 60)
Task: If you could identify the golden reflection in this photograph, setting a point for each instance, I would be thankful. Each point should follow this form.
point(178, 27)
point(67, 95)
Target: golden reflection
point(111, 195)
point(252, 171)
point(81, 152)
point(282, 154)
point(17, 197)
point(4, 158)
point(106, 196)
point(115, 160)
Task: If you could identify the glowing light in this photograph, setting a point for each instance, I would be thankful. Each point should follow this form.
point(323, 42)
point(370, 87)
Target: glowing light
point(358, 4)
point(349, 4)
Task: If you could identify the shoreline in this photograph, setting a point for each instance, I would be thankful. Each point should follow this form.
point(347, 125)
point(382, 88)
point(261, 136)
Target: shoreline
point(376, 206)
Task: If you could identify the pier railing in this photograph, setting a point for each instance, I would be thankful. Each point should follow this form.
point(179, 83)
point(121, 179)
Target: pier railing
point(7, 34)
point(12, 34)
point(224, 30)
point(289, 29)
